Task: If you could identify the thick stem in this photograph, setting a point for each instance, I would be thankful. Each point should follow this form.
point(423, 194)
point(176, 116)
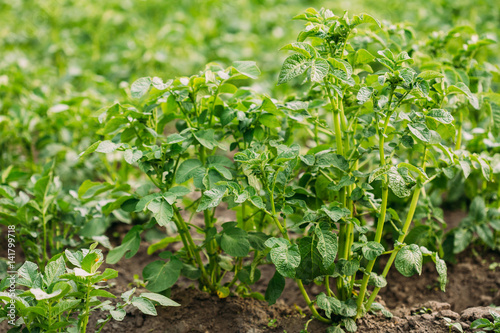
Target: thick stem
point(371, 263)
point(401, 238)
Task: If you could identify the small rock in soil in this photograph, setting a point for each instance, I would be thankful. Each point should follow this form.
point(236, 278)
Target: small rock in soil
point(449, 314)
point(427, 316)
point(437, 306)
point(472, 314)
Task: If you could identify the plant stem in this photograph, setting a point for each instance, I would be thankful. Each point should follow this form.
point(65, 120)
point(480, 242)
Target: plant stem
point(309, 303)
point(401, 238)
point(383, 209)
point(458, 144)
point(87, 308)
point(191, 247)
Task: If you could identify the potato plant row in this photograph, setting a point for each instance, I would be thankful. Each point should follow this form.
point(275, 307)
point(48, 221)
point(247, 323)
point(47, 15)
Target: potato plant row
point(382, 131)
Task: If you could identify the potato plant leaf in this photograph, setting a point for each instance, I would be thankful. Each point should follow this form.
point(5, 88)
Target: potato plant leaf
point(409, 260)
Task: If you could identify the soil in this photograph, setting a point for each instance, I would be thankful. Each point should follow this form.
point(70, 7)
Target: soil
point(416, 302)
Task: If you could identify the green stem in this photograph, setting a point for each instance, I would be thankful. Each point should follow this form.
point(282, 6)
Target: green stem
point(191, 247)
point(87, 308)
point(458, 144)
point(371, 263)
point(309, 303)
point(401, 238)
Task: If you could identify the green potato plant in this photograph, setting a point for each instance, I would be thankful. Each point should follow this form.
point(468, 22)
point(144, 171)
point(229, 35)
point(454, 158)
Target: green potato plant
point(486, 325)
point(211, 115)
point(377, 104)
point(48, 219)
point(381, 135)
point(61, 299)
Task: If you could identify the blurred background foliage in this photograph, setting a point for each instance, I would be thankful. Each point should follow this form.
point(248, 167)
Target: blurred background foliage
point(61, 60)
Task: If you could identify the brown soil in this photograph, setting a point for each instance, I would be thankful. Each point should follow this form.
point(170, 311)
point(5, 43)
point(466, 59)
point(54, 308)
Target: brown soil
point(417, 304)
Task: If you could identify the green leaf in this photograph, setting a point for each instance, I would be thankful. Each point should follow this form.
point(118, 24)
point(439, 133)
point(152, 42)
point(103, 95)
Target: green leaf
point(430, 75)
point(413, 168)
point(335, 329)
point(364, 18)
point(206, 138)
point(234, 240)
point(160, 275)
point(461, 239)
point(163, 244)
point(409, 260)
point(140, 87)
point(478, 209)
point(39, 294)
point(212, 198)
point(420, 131)
point(162, 300)
point(364, 57)
point(379, 172)
point(7, 192)
point(372, 250)
point(132, 155)
point(318, 70)
point(364, 94)
point(187, 170)
point(397, 183)
point(90, 149)
point(247, 68)
point(440, 115)
point(54, 269)
point(269, 120)
point(348, 308)
point(107, 275)
point(461, 88)
point(101, 293)
point(118, 314)
point(275, 288)
point(377, 280)
point(90, 189)
point(335, 213)
point(41, 189)
point(347, 267)
point(162, 211)
point(480, 323)
point(327, 244)
point(495, 116)
point(350, 324)
point(293, 66)
point(442, 271)
point(330, 305)
point(286, 257)
point(303, 48)
point(130, 246)
point(257, 240)
point(28, 274)
point(342, 65)
point(311, 260)
point(326, 160)
point(144, 305)
point(106, 147)
point(64, 305)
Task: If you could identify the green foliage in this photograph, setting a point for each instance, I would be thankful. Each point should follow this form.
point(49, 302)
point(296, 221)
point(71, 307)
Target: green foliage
point(67, 292)
point(366, 121)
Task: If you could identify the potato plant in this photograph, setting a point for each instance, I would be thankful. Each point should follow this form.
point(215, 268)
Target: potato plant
point(61, 299)
point(383, 130)
point(332, 184)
